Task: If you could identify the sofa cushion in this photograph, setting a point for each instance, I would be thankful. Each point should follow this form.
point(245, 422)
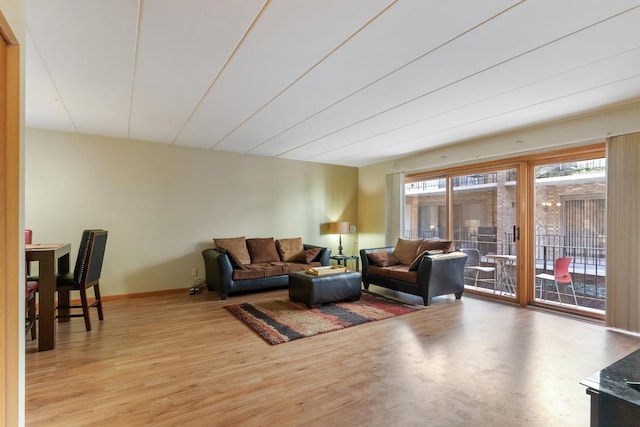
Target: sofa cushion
point(382, 258)
point(398, 272)
point(257, 271)
point(237, 247)
point(406, 250)
point(262, 250)
point(401, 272)
point(306, 256)
point(235, 262)
point(374, 270)
point(435, 245)
point(288, 248)
point(290, 267)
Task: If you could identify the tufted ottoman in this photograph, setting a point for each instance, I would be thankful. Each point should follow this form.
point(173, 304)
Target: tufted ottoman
point(315, 290)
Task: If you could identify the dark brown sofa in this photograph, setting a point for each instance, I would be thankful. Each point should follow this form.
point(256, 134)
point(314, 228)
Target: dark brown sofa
point(239, 264)
point(422, 268)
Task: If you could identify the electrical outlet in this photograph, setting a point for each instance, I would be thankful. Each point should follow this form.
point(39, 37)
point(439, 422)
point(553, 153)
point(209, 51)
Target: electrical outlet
point(194, 271)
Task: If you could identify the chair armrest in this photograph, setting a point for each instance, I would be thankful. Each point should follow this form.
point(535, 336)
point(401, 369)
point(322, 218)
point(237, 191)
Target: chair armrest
point(218, 270)
point(443, 273)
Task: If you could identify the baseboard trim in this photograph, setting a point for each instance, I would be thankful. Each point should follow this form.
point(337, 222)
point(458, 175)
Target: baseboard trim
point(145, 294)
point(128, 296)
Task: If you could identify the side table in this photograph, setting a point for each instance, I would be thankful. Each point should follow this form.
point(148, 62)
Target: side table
point(342, 260)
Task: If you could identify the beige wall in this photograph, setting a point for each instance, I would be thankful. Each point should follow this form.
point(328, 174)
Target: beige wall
point(371, 200)
point(162, 204)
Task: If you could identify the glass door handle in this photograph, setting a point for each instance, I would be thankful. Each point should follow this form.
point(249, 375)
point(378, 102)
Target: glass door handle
point(516, 233)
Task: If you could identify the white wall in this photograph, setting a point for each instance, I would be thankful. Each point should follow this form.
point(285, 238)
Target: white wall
point(162, 204)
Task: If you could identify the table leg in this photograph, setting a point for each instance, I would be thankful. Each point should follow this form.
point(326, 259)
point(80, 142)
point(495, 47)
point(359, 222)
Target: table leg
point(47, 309)
point(63, 297)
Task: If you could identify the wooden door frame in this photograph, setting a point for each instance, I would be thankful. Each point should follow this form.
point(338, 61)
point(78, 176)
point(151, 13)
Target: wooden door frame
point(11, 305)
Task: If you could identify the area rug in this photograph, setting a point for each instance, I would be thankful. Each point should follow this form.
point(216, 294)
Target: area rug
point(281, 320)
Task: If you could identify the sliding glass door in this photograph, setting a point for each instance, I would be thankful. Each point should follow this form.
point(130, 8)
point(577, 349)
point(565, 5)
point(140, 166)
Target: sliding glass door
point(484, 225)
point(570, 234)
point(534, 229)
point(477, 211)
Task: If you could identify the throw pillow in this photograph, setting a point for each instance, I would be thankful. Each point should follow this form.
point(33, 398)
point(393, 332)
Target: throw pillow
point(406, 250)
point(288, 248)
point(435, 245)
point(382, 258)
point(235, 262)
point(262, 250)
point(306, 256)
point(416, 262)
point(236, 246)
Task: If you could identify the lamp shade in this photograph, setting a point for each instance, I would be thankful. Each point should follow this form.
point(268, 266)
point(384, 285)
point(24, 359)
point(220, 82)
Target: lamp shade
point(341, 227)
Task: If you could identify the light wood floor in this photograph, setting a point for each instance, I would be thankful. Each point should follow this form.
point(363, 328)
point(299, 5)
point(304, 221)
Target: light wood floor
point(183, 360)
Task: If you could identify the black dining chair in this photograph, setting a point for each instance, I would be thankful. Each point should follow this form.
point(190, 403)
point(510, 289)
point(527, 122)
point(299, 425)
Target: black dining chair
point(86, 274)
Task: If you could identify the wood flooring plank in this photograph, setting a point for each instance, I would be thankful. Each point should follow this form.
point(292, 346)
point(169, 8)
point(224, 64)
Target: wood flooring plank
point(177, 359)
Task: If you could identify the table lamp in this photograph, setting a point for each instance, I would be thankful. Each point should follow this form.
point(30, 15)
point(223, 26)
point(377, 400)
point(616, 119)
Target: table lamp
point(339, 228)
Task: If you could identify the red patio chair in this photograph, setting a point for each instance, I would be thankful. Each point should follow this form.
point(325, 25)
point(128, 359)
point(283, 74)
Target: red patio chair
point(560, 275)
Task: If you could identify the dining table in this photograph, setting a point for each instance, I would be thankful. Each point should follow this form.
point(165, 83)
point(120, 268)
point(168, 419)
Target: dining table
point(52, 259)
point(504, 264)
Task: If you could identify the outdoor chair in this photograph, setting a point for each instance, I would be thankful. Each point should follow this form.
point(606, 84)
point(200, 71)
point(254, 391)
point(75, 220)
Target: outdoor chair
point(560, 275)
point(85, 275)
point(473, 265)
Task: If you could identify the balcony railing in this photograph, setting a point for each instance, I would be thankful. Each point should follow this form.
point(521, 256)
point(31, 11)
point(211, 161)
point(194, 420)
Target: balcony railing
point(588, 267)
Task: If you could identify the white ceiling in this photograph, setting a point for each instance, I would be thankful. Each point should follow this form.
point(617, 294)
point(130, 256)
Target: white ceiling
point(342, 82)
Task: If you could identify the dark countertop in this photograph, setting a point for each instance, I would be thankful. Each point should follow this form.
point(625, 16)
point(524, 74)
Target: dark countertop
point(612, 380)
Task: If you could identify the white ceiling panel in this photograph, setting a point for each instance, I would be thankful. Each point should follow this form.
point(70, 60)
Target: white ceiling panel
point(475, 52)
point(378, 50)
point(46, 108)
point(564, 57)
point(170, 80)
point(288, 39)
point(348, 83)
point(88, 48)
point(444, 129)
point(557, 97)
point(553, 109)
